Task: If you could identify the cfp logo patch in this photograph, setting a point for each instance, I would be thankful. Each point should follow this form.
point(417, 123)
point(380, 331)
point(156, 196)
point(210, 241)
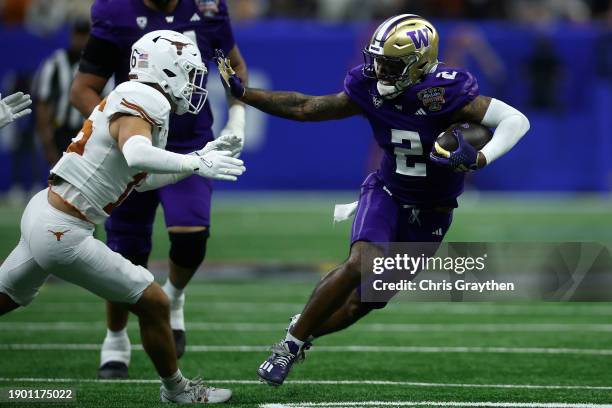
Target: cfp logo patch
point(141, 22)
point(419, 38)
point(432, 98)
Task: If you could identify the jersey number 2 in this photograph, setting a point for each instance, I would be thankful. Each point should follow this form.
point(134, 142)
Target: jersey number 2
point(402, 153)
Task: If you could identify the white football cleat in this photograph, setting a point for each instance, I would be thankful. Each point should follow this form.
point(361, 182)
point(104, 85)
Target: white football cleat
point(195, 392)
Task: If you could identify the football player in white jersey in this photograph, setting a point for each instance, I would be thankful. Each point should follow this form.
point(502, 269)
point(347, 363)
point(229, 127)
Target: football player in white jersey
point(121, 147)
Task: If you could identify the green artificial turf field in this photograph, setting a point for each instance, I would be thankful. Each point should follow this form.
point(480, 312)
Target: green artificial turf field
point(471, 352)
point(285, 227)
point(410, 354)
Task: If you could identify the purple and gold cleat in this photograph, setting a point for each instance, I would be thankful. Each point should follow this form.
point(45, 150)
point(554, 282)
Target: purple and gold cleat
point(284, 354)
point(276, 367)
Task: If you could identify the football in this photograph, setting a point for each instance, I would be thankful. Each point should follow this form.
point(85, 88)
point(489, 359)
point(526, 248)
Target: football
point(475, 134)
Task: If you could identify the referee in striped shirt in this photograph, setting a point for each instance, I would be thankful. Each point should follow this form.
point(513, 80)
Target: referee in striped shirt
point(57, 121)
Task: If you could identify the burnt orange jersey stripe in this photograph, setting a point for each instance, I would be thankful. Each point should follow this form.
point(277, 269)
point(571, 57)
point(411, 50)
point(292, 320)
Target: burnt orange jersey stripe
point(102, 105)
point(78, 147)
point(140, 110)
point(108, 208)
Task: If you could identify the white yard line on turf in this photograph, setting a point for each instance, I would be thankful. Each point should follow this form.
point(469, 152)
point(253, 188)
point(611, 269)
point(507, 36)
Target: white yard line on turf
point(254, 307)
point(367, 327)
point(321, 382)
point(398, 306)
point(329, 349)
point(437, 404)
point(410, 308)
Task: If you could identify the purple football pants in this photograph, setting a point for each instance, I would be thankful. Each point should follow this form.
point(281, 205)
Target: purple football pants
point(381, 219)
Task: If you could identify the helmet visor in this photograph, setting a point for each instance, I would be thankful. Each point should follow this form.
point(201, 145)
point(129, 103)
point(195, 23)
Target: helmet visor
point(388, 70)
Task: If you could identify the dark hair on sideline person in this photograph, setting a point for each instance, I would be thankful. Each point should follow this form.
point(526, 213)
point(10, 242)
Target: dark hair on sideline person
point(81, 26)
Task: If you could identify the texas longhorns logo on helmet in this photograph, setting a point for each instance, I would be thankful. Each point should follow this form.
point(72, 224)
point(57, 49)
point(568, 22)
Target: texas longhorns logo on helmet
point(179, 45)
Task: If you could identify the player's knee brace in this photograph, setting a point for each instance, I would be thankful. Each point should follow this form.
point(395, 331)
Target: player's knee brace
point(187, 249)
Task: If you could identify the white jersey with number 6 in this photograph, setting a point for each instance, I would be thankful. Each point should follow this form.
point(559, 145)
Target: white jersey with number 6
point(97, 174)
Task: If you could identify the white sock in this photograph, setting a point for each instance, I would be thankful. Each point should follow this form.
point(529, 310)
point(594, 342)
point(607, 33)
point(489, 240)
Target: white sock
point(289, 337)
point(177, 301)
point(171, 291)
point(175, 383)
point(116, 347)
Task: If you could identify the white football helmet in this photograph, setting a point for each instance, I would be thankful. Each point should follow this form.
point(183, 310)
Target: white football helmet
point(172, 61)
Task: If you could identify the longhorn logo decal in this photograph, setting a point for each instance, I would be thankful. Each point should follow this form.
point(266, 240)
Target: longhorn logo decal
point(59, 234)
point(179, 45)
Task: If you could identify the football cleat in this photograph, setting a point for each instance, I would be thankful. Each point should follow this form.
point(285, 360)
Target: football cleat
point(276, 367)
point(180, 340)
point(113, 370)
point(195, 392)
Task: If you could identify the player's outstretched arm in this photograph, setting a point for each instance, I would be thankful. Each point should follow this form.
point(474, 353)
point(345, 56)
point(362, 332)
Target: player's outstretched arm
point(305, 108)
point(289, 105)
point(236, 115)
point(509, 123)
point(226, 143)
point(133, 135)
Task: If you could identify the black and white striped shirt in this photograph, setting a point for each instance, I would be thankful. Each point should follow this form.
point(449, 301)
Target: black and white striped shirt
point(53, 85)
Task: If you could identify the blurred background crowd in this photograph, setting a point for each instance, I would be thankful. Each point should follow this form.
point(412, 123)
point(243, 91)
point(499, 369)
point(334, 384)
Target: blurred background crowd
point(41, 14)
point(550, 58)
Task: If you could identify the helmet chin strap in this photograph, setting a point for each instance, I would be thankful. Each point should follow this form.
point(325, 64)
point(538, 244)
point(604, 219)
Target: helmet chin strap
point(389, 91)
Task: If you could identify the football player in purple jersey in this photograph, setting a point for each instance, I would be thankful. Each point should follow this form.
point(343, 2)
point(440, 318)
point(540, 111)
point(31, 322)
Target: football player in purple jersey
point(116, 25)
point(409, 98)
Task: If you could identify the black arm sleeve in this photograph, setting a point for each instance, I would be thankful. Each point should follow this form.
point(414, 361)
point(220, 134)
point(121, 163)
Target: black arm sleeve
point(99, 57)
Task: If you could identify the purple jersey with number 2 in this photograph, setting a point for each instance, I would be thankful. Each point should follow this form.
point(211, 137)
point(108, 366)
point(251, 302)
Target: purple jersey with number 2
point(122, 22)
point(406, 128)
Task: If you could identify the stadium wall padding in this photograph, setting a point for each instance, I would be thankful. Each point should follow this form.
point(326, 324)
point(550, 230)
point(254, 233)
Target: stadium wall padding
point(567, 149)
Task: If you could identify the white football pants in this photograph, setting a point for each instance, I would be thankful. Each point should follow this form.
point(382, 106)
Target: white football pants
point(56, 243)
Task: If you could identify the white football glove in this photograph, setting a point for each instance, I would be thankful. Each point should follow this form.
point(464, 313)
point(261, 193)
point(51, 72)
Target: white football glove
point(13, 107)
point(237, 135)
point(225, 142)
point(217, 165)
